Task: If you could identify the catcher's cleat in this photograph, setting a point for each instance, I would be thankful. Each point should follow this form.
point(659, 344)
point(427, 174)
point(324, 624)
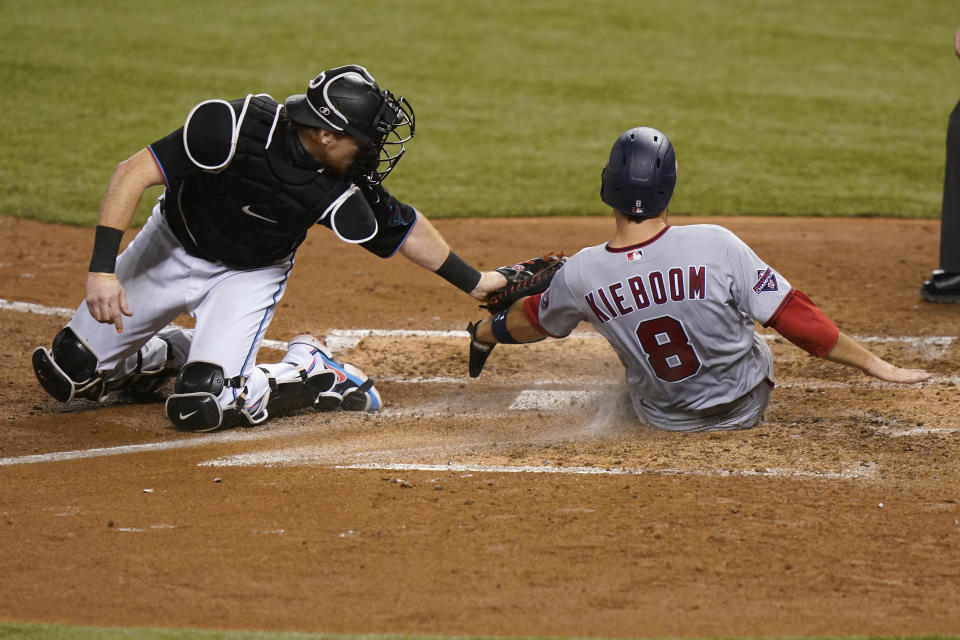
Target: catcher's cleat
point(942, 287)
point(479, 351)
point(352, 390)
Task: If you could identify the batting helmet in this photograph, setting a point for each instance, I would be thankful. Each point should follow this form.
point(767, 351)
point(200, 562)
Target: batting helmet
point(640, 174)
point(347, 100)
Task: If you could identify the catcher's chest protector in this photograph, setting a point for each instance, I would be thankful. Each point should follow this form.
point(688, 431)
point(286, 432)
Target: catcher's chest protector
point(259, 207)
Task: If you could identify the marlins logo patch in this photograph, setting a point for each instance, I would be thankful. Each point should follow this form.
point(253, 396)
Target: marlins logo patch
point(767, 282)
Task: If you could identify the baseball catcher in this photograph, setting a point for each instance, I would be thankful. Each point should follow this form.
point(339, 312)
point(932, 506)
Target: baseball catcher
point(244, 181)
point(677, 304)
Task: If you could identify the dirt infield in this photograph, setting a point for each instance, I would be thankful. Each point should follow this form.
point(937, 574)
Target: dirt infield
point(524, 502)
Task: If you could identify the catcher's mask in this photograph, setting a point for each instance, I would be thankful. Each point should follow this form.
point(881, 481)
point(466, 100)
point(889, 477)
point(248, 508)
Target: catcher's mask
point(348, 100)
point(640, 174)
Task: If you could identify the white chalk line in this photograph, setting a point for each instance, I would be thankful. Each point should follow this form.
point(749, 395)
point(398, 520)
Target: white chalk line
point(237, 435)
point(852, 473)
point(347, 338)
point(326, 457)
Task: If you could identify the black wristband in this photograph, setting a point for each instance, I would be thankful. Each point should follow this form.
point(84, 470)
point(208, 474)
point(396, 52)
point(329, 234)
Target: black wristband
point(106, 244)
point(458, 273)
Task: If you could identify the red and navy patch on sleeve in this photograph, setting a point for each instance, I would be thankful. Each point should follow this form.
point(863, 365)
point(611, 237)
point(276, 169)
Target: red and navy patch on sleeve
point(767, 281)
point(545, 300)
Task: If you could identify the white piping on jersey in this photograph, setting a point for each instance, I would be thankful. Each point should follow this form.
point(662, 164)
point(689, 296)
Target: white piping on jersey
point(335, 207)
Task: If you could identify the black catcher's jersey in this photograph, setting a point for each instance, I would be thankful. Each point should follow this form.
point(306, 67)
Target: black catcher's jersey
point(242, 190)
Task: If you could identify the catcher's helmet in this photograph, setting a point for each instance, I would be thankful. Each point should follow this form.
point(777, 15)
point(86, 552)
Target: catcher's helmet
point(640, 174)
point(347, 100)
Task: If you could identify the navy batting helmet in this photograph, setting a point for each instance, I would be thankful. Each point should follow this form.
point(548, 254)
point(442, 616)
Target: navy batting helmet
point(640, 174)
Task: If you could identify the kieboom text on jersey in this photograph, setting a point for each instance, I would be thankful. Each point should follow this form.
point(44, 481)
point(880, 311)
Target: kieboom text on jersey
point(616, 298)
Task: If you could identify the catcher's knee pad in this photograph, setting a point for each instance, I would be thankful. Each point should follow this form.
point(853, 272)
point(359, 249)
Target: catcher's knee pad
point(195, 402)
point(69, 370)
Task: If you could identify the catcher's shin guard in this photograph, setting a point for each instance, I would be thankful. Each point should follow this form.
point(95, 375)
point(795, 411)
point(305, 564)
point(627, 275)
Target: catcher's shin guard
point(297, 381)
point(352, 390)
point(195, 402)
point(152, 365)
point(69, 370)
point(479, 351)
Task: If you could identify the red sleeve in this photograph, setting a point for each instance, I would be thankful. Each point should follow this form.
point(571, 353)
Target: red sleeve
point(801, 322)
point(530, 306)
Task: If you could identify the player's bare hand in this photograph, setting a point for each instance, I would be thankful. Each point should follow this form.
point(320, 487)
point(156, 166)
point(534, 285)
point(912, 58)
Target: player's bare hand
point(956, 42)
point(106, 299)
point(890, 373)
point(490, 281)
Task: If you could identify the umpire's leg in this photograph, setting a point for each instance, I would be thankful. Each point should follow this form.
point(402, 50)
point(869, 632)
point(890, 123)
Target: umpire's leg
point(950, 215)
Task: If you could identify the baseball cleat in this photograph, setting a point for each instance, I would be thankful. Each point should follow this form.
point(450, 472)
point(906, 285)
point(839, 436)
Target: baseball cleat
point(942, 287)
point(352, 390)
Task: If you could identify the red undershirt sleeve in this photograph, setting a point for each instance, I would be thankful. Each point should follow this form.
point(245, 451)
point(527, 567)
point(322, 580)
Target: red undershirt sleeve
point(801, 322)
point(531, 304)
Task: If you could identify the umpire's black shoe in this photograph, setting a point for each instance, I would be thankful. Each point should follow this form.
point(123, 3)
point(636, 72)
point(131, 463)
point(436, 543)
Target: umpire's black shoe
point(942, 287)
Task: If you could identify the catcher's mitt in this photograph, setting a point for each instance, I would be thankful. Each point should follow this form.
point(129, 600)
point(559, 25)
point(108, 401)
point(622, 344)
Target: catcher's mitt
point(524, 279)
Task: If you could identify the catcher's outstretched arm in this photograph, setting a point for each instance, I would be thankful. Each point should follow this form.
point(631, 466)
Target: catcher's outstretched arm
point(425, 247)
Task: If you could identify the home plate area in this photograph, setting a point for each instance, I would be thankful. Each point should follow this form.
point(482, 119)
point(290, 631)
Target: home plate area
point(561, 407)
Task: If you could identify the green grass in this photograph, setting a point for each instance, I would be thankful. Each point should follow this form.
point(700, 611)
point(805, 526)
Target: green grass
point(774, 106)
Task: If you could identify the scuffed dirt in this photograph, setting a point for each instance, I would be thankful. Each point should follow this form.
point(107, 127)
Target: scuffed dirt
point(838, 515)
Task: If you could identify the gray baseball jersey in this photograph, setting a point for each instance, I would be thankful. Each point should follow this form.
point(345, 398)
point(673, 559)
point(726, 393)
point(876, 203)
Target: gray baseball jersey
point(679, 311)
